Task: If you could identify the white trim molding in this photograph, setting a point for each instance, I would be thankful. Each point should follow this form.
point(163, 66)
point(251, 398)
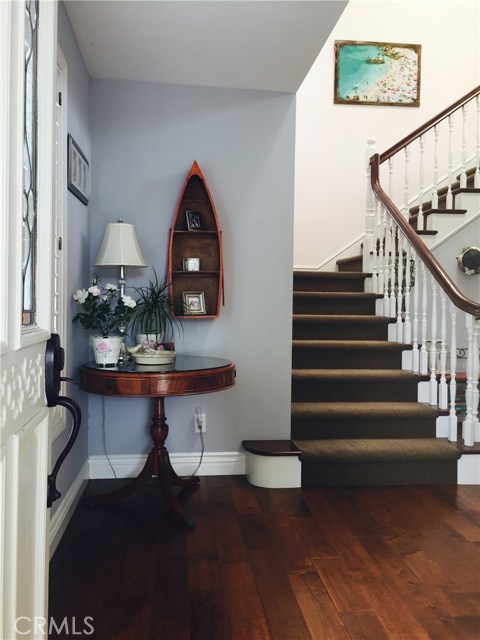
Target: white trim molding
point(217, 463)
point(60, 519)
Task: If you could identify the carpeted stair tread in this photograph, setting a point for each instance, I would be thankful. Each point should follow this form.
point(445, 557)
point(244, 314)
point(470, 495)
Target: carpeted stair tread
point(371, 345)
point(321, 318)
point(337, 295)
point(374, 410)
point(340, 375)
point(326, 275)
point(377, 450)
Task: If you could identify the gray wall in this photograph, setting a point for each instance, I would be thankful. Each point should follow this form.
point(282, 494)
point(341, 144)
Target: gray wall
point(145, 138)
point(76, 244)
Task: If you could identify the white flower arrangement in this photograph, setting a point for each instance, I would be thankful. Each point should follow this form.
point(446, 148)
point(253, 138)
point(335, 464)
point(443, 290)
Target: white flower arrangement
point(102, 309)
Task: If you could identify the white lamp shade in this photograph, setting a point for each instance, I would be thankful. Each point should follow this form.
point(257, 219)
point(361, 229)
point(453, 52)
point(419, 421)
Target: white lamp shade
point(120, 247)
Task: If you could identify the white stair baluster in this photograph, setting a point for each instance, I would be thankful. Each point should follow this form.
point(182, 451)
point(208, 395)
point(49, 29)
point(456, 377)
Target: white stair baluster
point(424, 323)
point(476, 183)
point(421, 222)
point(401, 285)
point(453, 419)
point(436, 132)
point(367, 265)
point(406, 182)
point(393, 264)
point(463, 173)
point(468, 424)
point(433, 347)
point(386, 268)
point(415, 324)
point(375, 261)
point(442, 387)
point(475, 372)
point(407, 325)
point(381, 251)
point(449, 204)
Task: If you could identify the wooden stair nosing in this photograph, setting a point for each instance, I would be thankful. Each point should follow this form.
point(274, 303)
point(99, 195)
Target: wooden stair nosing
point(354, 375)
point(439, 211)
point(377, 450)
point(374, 410)
point(323, 318)
point(271, 447)
point(337, 275)
point(351, 344)
point(337, 295)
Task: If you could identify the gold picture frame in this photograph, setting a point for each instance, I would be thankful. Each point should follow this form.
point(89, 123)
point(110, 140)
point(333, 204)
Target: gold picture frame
point(193, 303)
point(377, 73)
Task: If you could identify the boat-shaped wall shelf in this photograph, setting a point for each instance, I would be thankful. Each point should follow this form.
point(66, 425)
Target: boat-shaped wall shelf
point(195, 259)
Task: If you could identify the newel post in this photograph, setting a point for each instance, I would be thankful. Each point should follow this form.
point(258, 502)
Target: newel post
point(369, 211)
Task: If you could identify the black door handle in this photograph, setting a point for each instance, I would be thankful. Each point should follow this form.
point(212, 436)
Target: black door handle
point(54, 363)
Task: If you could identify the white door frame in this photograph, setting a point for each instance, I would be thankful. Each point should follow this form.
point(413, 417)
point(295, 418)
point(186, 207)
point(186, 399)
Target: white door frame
point(24, 417)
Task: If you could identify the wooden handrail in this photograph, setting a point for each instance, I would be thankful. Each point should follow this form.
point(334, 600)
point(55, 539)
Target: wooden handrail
point(428, 125)
point(432, 264)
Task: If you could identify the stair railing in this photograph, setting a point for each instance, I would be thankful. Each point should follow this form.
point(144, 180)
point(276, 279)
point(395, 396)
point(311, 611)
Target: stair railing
point(432, 314)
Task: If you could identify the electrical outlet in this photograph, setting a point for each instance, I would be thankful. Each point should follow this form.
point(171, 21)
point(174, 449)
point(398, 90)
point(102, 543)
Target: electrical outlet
point(200, 420)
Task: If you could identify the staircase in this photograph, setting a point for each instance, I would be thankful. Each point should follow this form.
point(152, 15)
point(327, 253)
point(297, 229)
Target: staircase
point(355, 415)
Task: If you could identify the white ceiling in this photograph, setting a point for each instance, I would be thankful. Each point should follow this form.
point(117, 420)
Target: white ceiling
point(242, 44)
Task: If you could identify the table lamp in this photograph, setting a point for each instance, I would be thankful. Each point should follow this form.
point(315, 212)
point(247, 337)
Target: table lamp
point(120, 248)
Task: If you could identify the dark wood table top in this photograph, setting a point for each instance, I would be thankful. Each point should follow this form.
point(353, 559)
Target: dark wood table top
point(187, 376)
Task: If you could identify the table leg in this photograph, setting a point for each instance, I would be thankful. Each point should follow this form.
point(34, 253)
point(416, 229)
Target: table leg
point(157, 464)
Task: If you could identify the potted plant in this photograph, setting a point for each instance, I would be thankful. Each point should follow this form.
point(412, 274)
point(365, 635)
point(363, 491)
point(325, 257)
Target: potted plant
point(104, 312)
point(152, 320)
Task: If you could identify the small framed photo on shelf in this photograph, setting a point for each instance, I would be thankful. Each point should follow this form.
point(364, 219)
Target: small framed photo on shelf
point(194, 220)
point(193, 303)
point(78, 172)
point(191, 264)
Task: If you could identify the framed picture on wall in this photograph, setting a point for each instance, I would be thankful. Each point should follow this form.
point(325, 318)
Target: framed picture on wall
point(193, 303)
point(78, 171)
point(377, 73)
point(194, 220)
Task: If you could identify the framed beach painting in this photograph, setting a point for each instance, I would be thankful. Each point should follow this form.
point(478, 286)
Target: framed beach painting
point(377, 73)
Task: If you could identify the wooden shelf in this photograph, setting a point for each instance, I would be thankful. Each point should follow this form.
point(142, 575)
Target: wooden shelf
point(204, 244)
point(196, 273)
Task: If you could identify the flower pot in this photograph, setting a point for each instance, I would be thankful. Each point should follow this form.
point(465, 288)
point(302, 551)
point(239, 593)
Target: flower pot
point(106, 350)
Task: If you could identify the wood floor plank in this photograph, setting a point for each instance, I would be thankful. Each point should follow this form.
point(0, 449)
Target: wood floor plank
point(347, 586)
point(364, 625)
point(243, 602)
point(244, 499)
point(281, 609)
point(340, 536)
point(319, 612)
point(435, 508)
point(422, 598)
point(208, 611)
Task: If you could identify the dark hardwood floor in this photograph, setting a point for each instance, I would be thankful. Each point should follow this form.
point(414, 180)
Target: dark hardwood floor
point(283, 564)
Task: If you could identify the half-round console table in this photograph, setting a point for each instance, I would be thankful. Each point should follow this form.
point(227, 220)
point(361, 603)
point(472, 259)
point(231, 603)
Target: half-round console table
point(189, 375)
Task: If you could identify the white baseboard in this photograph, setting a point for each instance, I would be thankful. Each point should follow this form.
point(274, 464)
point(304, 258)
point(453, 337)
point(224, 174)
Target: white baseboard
point(61, 517)
point(220, 463)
